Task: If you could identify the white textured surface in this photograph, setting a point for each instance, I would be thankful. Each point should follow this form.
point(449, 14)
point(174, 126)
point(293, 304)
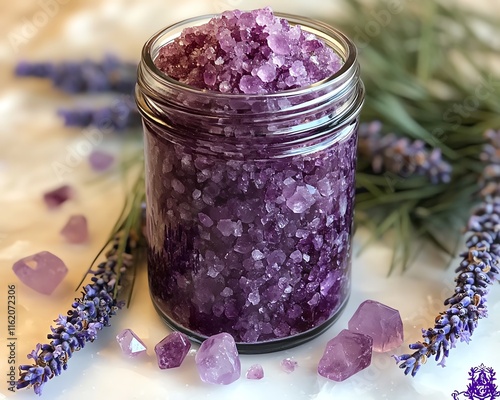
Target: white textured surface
point(32, 139)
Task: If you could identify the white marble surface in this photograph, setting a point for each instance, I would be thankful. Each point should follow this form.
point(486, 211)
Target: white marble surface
point(32, 139)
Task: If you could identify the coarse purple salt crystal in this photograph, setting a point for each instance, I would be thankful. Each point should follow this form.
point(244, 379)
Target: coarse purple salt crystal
point(205, 220)
point(130, 343)
point(42, 271)
point(257, 255)
point(379, 321)
point(288, 365)
point(76, 229)
point(56, 197)
point(296, 256)
point(218, 361)
point(100, 160)
point(301, 200)
point(228, 227)
point(255, 372)
point(345, 355)
point(172, 350)
point(178, 186)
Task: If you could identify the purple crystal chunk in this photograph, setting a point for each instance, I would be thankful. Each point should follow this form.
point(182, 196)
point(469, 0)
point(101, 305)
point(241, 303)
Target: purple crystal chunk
point(288, 365)
point(56, 197)
point(379, 321)
point(130, 343)
point(76, 229)
point(345, 355)
point(218, 360)
point(255, 372)
point(42, 271)
point(100, 160)
point(172, 350)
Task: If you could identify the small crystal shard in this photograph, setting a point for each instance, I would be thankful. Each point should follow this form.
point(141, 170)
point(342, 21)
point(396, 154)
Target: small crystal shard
point(76, 229)
point(345, 355)
point(255, 372)
point(301, 200)
point(288, 365)
point(42, 271)
point(218, 360)
point(172, 350)
point(130, 343)
point(100, 160)
point(379, 321)
point(56, 197)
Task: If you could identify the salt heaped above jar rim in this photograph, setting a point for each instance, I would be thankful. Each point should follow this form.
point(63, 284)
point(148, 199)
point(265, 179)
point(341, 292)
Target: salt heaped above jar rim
point(339, 96)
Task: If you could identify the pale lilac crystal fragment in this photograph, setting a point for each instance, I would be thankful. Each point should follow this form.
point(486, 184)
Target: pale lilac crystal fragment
point(76, 229)
point(172, 350)
point(288, 365)
point(56, 197)
point(100, 160)
point(130, 343)
point(379, 321)
point(345, 355)
point(301, 200)
point(42, 271)
point(255, 372)
point(218, 360)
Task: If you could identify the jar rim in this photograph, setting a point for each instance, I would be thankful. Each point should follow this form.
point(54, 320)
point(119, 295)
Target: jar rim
point(349, 66)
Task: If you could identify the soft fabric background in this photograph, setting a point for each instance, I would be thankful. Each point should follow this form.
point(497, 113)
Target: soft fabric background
point(32, 139)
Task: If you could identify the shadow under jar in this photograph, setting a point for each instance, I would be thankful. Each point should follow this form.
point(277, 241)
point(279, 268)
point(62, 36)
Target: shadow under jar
point(250, 200)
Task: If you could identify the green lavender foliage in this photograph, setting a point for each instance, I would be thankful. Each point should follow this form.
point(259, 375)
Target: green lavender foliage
point(427, 78)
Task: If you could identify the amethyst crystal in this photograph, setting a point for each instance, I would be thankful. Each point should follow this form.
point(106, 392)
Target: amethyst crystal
point(218, 360)
point(345, 355)
point(255, 372)
point(379, 321)
point(171, 351)
point(76, 229)
point(288, 365)
point(42, 271)
point(56, 197)
point(100, 160)
point(130, 343)
point(247, 52)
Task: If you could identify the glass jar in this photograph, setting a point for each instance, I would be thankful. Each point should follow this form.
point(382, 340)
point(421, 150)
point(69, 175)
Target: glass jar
point(250, 200)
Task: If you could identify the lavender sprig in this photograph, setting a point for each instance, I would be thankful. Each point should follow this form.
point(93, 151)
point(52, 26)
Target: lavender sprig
point(109, 75)
point(121, 115)
point(89, 314)
point(400, 155)
point(478, 269)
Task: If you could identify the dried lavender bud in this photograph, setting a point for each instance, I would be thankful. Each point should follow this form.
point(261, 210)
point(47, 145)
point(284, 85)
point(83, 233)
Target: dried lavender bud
point(109, 75)
point(478, 269)
point(491, 155)
point(400, 155)
point(89, 314)
point(122, 115)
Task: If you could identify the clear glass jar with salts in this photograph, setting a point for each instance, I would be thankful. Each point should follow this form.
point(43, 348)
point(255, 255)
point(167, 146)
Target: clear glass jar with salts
point(250, 200)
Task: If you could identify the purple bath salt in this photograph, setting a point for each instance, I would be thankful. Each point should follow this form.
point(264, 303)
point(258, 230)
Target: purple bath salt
point(249, 229)
point(248, 52)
